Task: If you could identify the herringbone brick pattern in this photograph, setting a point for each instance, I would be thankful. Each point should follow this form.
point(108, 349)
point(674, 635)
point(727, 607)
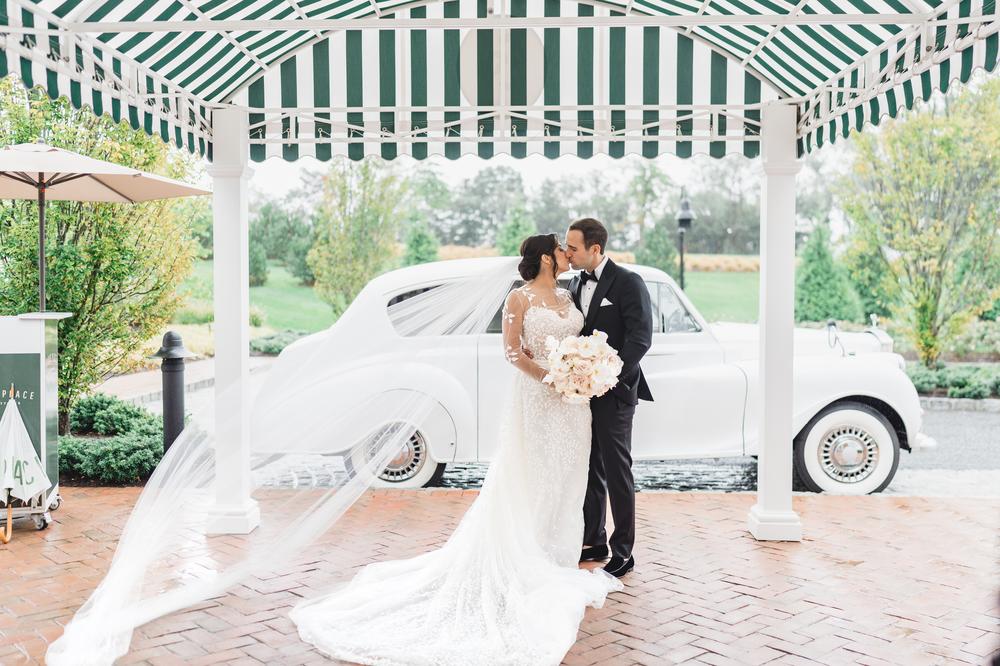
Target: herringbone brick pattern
point(877, 580)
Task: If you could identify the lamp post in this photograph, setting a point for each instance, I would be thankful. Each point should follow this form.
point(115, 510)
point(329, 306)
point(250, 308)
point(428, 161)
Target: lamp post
point(685, 216)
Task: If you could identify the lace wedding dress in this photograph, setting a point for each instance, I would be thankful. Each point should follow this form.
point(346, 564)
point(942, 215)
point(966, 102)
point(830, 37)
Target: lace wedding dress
point(505, 589)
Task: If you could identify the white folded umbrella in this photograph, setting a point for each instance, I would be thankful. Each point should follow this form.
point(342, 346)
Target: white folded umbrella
point(38, 171)
point(21, 472)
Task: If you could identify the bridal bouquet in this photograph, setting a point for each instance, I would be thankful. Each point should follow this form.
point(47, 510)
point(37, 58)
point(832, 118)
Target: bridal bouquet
point(581, 368)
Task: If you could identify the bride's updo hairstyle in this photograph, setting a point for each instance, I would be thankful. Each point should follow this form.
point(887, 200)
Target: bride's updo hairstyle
point(533, 248)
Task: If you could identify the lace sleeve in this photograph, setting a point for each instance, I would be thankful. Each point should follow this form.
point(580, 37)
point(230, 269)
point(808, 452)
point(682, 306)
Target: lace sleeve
point(513, 325)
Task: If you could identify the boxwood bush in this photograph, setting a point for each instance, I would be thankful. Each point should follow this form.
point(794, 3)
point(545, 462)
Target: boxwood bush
point(274, 343)
point(956, 380)
point(113, 442)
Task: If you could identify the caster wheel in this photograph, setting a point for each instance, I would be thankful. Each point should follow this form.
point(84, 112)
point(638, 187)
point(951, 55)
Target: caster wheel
point(41, 521)
point(55, 503)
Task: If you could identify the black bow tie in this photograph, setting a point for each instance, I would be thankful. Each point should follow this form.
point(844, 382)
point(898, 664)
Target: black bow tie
point(585, 276)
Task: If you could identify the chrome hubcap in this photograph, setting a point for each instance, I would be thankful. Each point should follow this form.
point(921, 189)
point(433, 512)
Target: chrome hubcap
point(407, 462)
point(848, 454)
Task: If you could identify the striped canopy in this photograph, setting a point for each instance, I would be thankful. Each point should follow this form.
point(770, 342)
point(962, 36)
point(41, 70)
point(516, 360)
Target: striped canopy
point(389, 77)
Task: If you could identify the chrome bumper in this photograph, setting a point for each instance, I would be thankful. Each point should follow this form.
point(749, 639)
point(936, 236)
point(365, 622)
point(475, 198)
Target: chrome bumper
point(923, 443)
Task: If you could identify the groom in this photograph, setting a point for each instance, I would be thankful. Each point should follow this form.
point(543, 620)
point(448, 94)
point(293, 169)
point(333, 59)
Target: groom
point(615, 301)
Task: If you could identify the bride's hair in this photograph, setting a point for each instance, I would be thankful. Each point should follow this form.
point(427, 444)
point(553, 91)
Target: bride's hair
point(533, 248)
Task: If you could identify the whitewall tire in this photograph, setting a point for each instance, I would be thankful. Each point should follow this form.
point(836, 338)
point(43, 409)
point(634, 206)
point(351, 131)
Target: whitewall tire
point(849, 448)
point(411, 467)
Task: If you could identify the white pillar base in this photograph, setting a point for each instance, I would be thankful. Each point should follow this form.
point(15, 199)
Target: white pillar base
point(774, 525)
point(233, 518)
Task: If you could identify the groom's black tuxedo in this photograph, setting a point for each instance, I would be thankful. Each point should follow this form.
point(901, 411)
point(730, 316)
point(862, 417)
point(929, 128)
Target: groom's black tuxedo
point(626, 317)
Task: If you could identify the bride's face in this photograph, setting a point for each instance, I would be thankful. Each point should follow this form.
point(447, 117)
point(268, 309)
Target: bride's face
point(562, 261)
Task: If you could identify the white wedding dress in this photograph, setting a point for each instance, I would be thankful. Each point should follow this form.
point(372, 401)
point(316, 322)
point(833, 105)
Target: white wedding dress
point(505, 588)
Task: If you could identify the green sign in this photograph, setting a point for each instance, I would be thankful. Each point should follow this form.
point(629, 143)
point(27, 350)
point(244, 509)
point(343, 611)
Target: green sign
point(24, 372)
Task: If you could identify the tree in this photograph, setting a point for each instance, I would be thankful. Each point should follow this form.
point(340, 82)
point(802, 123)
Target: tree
point(726, 203)
point(605, 199)
point(421, 245)
point(483, 203)
point(356, 228)
point(870, 276)
point(258, 261)
point(649, 190)
point(198, 212)
point(925, 191)
point(116, 267)
point(553, 205)
point(513, 233)
point(658, 249)
point(822, 290)
point(430, 202)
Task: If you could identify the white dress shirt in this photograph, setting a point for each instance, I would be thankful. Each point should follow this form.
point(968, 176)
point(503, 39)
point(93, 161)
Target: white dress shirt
point(588, 289)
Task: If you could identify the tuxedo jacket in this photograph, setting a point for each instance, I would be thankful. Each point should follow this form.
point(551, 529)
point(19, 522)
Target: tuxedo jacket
point(626, 316)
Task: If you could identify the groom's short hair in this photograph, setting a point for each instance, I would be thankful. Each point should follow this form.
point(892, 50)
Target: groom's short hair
point(593, 232)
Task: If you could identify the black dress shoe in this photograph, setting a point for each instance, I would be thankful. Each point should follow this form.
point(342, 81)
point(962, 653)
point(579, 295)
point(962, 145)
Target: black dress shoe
point(618, 567)
point(594, 553)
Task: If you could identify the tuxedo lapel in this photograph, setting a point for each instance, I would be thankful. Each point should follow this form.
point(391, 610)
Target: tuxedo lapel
point(574, 290)
point(608, 276)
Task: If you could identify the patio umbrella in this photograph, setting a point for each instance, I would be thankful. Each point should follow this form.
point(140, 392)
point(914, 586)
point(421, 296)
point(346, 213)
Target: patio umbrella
point(38, 171)
point(21, 472)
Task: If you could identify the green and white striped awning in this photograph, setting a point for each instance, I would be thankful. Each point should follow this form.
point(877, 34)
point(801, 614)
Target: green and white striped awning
point(385, 77)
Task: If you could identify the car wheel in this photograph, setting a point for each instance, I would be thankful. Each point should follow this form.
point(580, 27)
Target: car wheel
point(849, 448)
point(411, 467)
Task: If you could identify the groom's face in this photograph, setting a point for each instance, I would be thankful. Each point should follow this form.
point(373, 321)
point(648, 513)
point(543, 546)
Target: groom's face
point(580, 257)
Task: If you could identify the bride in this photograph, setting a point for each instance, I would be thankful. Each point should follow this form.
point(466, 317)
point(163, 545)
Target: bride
point(505, 588)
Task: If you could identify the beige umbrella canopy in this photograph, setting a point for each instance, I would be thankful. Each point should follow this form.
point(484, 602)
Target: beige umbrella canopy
point(38, 171)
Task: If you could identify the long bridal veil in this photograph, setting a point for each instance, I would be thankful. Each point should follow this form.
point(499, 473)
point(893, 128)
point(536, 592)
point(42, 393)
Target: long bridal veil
point(334, 410)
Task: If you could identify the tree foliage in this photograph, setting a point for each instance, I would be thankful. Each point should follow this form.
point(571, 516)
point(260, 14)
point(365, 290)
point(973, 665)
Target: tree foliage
point(924, 195)
point(513, 233)
point(658, 247)
point(116, 267)
point(421, 245)
point(822, 290)
point(356, 228)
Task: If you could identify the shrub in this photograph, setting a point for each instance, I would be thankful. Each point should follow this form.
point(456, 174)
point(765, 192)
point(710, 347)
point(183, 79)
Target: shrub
point(123, 459)
point(256, 316)
point(976, 390)
point(107, 415)
point(513, 233)
point(956, 376)
point(295, 258)
point(657, 249)
point(194, 314)
point(924, 380)
point(274, 343)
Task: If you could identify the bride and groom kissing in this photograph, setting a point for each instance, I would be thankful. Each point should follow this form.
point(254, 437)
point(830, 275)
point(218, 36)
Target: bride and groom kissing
point(507, 586)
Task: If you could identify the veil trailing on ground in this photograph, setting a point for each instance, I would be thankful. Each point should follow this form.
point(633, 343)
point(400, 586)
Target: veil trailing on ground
point(333, 412)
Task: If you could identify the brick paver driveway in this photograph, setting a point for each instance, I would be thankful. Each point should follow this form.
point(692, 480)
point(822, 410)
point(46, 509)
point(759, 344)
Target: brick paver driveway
point(877, 580)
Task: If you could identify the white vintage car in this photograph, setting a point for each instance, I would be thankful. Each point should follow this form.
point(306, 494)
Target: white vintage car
point(854, 406)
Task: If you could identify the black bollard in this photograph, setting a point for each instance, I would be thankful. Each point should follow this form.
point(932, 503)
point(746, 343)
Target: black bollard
point(173, 354)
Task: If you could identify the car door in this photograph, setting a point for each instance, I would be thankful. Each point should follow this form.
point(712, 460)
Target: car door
point(698, 399)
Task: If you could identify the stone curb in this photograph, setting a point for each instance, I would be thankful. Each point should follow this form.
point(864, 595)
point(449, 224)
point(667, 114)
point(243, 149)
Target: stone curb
point(939, 404)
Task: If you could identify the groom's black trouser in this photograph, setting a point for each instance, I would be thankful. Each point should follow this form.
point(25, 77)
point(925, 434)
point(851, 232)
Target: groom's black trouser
point(610, 473)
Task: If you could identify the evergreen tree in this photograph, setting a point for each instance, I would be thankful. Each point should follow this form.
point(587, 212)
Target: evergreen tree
point(657, 248)
point(421, 245)
point(822, 289)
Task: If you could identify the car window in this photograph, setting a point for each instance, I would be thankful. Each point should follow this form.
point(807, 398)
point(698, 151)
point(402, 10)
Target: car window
point(654, 302)
point(674, 317)
point(495, 324)
point(405, 296)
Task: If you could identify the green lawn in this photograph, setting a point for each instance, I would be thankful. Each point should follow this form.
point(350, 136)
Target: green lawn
point(286, 304)
point(724, 296)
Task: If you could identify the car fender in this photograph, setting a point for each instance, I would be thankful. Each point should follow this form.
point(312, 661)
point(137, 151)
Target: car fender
point(819, 381)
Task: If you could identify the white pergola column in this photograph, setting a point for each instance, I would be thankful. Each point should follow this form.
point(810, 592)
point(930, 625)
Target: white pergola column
point(234, 511)
point(772, 517)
